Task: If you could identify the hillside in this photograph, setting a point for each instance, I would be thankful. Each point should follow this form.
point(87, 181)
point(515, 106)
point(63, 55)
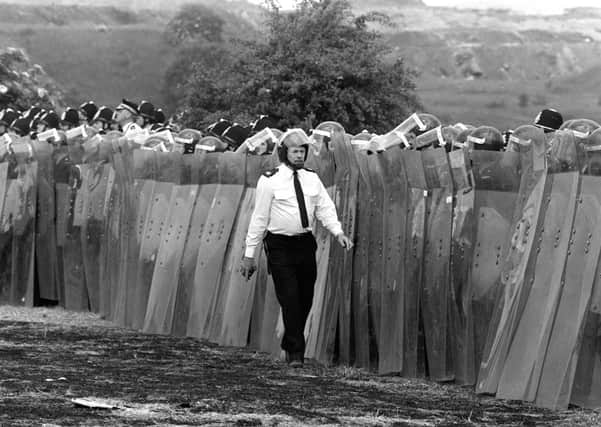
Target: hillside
point(495, 67)
point(103, 53)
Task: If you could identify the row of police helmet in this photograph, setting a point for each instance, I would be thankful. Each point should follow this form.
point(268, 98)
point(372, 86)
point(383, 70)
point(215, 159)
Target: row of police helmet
point(419, 131)
point(104, 119)
point(422, 131)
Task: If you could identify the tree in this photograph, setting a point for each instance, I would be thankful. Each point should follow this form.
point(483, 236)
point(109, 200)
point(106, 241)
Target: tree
point(317, 63)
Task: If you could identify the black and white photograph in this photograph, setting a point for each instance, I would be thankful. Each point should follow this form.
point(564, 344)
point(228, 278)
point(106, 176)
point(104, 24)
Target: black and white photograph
point(300, 213)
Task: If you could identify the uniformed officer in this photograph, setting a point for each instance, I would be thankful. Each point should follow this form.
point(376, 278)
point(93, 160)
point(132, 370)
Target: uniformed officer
point(125, 115)
point(287, 200)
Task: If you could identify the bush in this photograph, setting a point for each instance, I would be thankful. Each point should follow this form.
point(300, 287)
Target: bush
point(318, 61)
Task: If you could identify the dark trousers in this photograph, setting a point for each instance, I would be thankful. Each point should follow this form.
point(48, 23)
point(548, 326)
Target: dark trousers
point(291, 260)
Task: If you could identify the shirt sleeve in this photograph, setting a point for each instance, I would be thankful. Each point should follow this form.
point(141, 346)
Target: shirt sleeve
point(326, 211)
point(260, 216)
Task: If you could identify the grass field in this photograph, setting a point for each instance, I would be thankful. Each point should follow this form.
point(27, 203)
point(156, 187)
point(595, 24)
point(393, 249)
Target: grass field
point(504, 104)
point(125, 61)
point(51, 356)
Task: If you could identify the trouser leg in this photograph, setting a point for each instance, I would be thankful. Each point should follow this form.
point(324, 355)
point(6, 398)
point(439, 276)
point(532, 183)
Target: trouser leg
point(287, 292)
point(293, 268)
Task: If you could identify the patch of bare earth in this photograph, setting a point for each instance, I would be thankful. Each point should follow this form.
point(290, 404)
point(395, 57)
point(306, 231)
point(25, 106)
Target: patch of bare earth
point(48, 357)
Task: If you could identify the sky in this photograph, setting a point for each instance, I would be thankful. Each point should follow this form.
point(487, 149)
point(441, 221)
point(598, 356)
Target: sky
point(529, 6)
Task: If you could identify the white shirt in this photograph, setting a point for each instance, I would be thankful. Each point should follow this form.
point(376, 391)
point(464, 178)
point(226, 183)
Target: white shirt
point(276, 208)
point(131, 128)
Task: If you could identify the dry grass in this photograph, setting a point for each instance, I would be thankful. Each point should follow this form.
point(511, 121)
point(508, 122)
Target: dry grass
point(51, 356)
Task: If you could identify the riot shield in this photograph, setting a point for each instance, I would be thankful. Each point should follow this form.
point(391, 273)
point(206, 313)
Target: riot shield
point(232, 327)
point(120, 236)
point(71, 287)
point(496, 183)
point(362, 345)
point(76, 290)
point(216, 234)
point(416, 227)
point(208, 165)
point(462, 246)
point(521, 372)
point(265, 313)
point(320, 328)
point(390, 342)
point(437, 253)
point(582, 383)
point(99, 181)
point(341, 265)
point(163, 293)
point(376, 250)
point(136, 212)
point(561, 354)
point(168, 167)
point(45, 252)
point(23, 223)
point(518, 266)
point(5, 232)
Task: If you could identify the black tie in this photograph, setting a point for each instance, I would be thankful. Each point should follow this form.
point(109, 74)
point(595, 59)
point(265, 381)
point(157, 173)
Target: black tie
point(301, 200)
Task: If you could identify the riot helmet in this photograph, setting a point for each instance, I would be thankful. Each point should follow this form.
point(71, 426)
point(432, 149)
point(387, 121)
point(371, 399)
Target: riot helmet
point(592, 153)
point(146, 113)
point(262, 122)
point(486, 138)
point(50, 119)
point(69, 118)
point(217, 128)
point(581, 127)
point(211, 143)
point(235, 135)
point(292, 138)
point(88, 110)
point(20, 126)
point(8, 116)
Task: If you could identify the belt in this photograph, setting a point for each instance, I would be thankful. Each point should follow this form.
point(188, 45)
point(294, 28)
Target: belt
point(292, 237)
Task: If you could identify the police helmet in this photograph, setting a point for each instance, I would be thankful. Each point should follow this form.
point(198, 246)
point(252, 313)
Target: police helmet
point(549, 119)
point(235, 135)
point(486, 138)
point(146, 110)
point(89, 110)
point(104, 114)
point(70, 116)
point(21, 126)
point(8, 116)
point(292, 138)
point(50, 119)
point(581, 127)
point(217, 128)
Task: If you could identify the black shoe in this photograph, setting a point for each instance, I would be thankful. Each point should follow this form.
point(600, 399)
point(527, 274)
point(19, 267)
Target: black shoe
point(296, 364)
point(295, 360)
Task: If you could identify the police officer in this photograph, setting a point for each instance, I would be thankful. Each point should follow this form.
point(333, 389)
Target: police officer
point(102, 120)
point(125, 115)
point(287, 199)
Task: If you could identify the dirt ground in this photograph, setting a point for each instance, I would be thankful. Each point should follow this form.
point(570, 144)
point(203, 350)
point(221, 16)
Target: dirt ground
point(49, 357)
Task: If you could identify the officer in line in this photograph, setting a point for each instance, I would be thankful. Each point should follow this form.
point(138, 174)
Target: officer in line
point(287, 199)
point(125, 115)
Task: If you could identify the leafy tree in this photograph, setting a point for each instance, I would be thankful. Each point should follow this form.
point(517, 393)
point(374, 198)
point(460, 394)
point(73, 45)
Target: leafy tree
point(317, 63)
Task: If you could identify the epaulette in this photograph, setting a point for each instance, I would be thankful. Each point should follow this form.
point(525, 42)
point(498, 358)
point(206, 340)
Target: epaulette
point(309, 170)
point(270, 173)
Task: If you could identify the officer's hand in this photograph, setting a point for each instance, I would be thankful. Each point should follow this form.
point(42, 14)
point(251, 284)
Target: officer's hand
point(247, 267)
point(344, 241)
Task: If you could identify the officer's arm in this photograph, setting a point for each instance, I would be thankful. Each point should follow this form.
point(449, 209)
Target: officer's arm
point(325, 210)
point(260, 216)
